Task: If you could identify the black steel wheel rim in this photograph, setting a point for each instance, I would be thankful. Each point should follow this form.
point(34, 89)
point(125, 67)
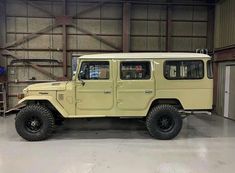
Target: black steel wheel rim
point(165, 123)
point(33, 124)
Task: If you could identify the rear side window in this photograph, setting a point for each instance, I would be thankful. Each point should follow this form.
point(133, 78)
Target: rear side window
point(210, 69)
point(135, 70)
point(95, 70)
point(184, 69)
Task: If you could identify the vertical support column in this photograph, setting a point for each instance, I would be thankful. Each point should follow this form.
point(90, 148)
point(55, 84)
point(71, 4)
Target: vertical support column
point(210, 47)
point(126, 27)
point(168, 28)
point(2, 29)
point(215, 81)
point(64, 42)
point(210, 28)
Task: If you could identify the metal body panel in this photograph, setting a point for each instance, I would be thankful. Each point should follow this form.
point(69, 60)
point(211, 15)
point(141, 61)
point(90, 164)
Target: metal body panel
point(49, 98)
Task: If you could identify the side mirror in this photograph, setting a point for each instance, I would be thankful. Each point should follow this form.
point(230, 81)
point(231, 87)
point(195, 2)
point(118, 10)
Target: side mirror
point(80, 78)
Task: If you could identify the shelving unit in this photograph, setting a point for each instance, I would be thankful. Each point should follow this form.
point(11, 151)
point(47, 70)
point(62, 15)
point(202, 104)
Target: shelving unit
point(3, 104)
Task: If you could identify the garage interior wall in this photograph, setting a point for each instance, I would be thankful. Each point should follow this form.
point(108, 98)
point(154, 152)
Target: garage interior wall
point(224, 48)
point(154, 26)
point(224, 24)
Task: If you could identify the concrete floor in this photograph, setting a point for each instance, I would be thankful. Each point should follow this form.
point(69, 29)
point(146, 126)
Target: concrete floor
point(205, 144)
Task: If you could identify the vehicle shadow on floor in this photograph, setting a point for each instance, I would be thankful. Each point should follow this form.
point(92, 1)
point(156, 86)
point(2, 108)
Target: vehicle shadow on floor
point(104, 128)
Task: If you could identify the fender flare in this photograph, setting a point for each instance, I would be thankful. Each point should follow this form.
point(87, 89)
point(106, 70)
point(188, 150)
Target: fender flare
point(52, 100)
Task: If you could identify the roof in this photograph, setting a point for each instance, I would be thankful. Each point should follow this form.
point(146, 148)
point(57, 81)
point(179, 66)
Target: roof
point(144, 55)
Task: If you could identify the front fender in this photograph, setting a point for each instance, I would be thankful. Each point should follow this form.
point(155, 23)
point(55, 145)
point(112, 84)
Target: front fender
point(52, 100)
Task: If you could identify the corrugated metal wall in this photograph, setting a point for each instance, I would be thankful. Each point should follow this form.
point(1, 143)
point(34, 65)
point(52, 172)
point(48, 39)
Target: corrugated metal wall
point(225, 24)
point(148, 33)
point(148, 28)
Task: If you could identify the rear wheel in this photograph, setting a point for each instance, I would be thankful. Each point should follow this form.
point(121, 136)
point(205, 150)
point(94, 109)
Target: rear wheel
point(164, 122)
point(34, 123)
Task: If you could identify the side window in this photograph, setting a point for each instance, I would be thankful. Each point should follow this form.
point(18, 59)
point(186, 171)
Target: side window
point(94, 70)
point(210, 69)
point(184, 69)
point(135, 70)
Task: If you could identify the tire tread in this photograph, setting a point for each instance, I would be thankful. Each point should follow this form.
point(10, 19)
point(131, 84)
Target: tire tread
point(152, 115)
point(44, 112)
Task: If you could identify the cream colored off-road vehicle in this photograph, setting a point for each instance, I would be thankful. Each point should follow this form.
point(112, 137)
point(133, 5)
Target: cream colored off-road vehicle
point(158, 87)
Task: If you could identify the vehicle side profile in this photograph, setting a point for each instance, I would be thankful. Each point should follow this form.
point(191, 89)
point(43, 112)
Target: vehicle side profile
point(157, 87)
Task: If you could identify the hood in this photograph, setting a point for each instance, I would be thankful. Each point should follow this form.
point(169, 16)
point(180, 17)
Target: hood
point(52, 86)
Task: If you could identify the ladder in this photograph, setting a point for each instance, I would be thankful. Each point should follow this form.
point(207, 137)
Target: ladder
point(3, 105)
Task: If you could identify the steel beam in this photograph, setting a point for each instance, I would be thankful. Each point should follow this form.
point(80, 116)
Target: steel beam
point(93, 7)
point(169, 28)
point(56, 50)
point(96, 37)
point(67, 21)
point(152, 2)
point(210, 28)
point(40, 65)
point(35, 66)
point(126, 27)
point(29, 37)
point(38, 7)
point(225, 54)
point(3, 29)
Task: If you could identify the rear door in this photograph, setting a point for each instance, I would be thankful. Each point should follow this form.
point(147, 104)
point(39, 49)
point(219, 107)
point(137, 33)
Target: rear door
point(97, 91)
point(135, 85)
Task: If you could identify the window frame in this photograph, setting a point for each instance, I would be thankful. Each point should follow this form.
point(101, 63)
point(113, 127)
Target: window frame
point(146, 61)
point(94, 61)
point(177, 78)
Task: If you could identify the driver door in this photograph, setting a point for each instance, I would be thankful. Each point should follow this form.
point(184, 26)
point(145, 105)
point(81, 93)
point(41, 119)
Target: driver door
point(94, 91)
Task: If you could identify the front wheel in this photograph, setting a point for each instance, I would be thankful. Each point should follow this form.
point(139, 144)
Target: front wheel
point(164, 122)
point(34, 123)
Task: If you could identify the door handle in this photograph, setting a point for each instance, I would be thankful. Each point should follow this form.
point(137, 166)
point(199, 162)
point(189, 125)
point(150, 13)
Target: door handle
point(107, 91)
point(148, 91)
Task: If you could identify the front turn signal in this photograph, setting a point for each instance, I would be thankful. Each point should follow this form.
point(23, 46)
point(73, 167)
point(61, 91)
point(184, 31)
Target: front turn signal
point(20, 96)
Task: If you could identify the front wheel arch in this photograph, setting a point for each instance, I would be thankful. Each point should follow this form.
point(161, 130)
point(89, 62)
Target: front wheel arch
point(48, 102)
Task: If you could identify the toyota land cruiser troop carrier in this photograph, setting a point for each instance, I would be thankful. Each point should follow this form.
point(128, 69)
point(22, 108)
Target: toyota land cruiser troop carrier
point(158, 87)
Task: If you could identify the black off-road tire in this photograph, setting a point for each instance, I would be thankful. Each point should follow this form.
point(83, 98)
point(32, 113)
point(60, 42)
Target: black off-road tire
point(157, 119)
point(45, 123)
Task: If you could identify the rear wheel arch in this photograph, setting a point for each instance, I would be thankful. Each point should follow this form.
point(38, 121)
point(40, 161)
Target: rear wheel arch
point(163, 101)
